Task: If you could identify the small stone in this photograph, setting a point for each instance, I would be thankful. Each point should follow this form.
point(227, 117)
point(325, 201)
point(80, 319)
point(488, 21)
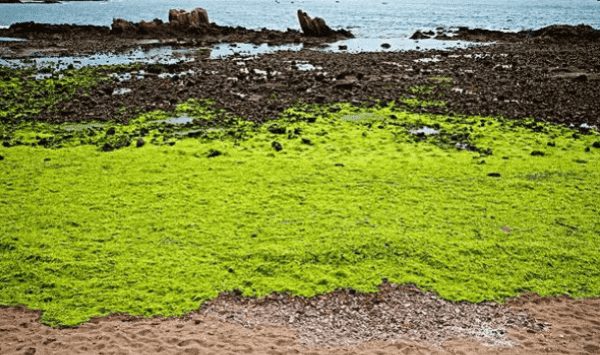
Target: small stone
point(343, 48)
point(277, 146)
point(344, 84)
point(385, 45)
point(213, 153)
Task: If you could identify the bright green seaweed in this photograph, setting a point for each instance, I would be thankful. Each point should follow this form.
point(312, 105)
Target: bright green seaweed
point(349, 199)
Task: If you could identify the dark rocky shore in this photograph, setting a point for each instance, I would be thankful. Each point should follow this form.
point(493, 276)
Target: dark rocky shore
point(551, 82)
point(556, 34)
point(187, 28)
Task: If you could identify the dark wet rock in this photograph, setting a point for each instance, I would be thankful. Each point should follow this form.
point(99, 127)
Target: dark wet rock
point(419, 35)
point(342, 48)
point(581, 78)
point(213, 153)
point(276, 130)
point(494, 174)
point(538, 153)
point(385, 45)
point(277, 146)
point(140, 143)
point(344, 84)
point(551, 34)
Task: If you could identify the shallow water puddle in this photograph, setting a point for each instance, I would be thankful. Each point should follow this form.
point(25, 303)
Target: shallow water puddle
point(121, 91)
point(425, 130)
point(183, 119)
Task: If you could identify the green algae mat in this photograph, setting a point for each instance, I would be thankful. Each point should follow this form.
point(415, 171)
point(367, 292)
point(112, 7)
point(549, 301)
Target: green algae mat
point(326, 197)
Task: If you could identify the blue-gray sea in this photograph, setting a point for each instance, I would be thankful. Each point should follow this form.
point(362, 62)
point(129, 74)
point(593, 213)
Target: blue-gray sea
point(373, 22)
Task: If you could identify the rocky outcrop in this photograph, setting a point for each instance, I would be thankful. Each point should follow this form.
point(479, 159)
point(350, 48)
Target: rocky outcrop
point(44, 31)
point(121, 26)
point(422, 35)
point(557, 34)
point(317, 27)
point(196, 17)
point(186, 26)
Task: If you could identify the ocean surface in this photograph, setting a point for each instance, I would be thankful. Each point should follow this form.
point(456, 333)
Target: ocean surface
point(373, 22)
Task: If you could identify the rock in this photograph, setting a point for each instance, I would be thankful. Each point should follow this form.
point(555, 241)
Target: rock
point(313, 27)
point(419, 35)
point(581, 78)
point(120, 25)
point(343, 48)
point(345, 84)
point(213, 153)
point(385, 45)
point(140, 142)
point(277, 146)
point(197, 17)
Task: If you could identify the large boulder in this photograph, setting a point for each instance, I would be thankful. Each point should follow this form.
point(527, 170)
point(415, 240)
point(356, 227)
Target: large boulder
point(313, 27)
point(196, 17)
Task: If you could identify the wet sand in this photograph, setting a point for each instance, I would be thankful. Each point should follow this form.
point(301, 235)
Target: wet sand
point(400, 319)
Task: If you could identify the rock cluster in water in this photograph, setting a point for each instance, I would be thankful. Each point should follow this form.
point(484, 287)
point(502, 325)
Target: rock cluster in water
point(563, 34)
point(182, 24)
